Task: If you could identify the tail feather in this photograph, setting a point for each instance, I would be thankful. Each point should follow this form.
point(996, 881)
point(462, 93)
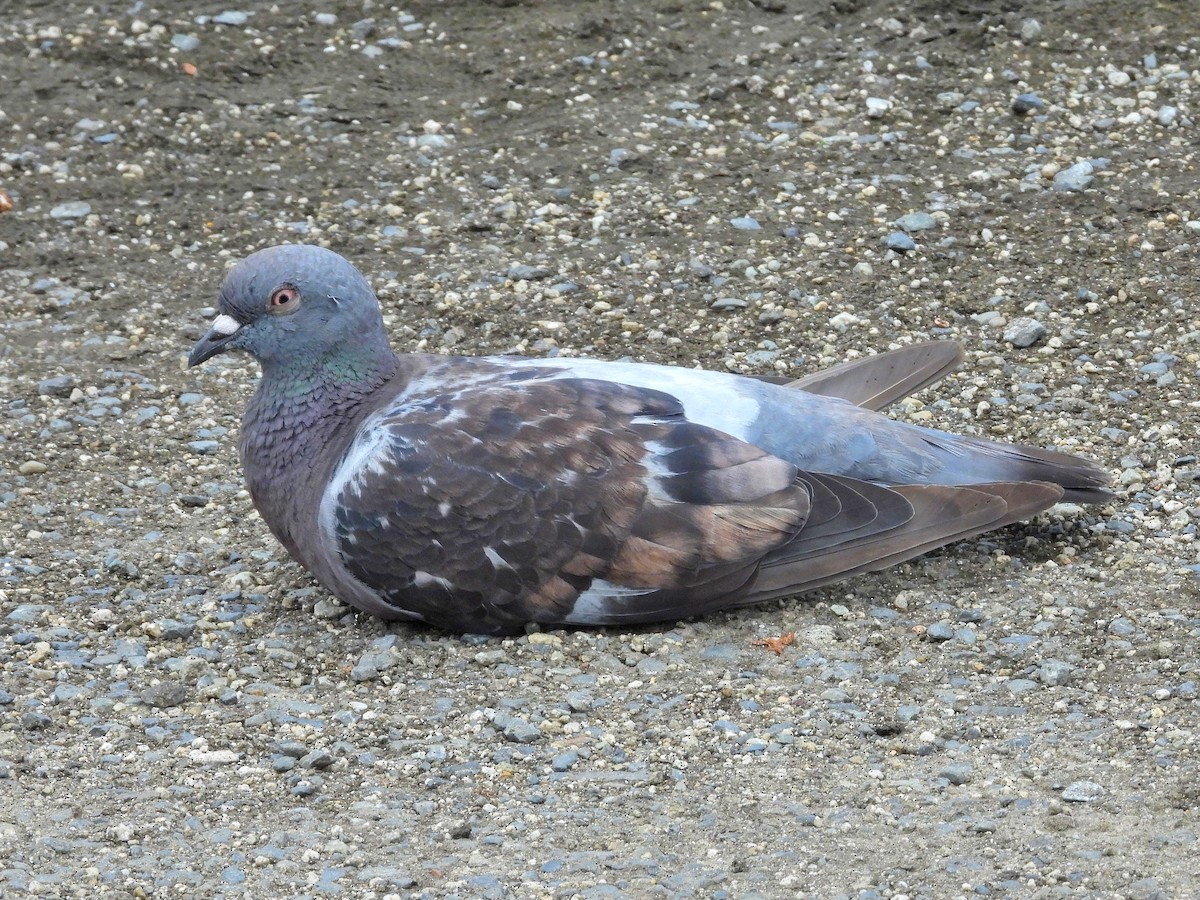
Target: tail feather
point(1082, 480)
point(877, 382)
point(940, 514)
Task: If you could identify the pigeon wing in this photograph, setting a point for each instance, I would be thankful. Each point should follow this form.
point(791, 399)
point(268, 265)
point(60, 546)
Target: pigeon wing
point(485, 500)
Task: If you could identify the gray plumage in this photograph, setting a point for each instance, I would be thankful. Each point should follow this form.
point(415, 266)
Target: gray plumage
point(482, 494)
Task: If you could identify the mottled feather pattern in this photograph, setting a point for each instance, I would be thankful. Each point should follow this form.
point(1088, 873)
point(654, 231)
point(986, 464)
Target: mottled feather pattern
point(550, 488)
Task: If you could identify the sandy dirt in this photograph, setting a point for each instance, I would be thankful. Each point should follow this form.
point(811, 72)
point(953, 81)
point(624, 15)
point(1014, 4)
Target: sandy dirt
point(183, 714)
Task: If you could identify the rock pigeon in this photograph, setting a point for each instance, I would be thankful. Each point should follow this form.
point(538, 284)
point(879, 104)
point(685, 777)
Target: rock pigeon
point(485, 494)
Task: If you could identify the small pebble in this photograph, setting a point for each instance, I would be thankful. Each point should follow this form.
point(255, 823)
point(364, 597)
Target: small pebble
point(165, 694)
point(729, 303)
point(564, 761)
point(1083, 792)
point(916, 221)
point(76, 209)
point(521, 731)
point(1027, 103)
point(306, 787)
point(1024, 331)
point(317, 759)
point(232, 17)
point(1054, 672)
point(521, 272)
point(58, 386)
point(940, 631)
point(878, 107)
point(1075, 178)
point(957, 773)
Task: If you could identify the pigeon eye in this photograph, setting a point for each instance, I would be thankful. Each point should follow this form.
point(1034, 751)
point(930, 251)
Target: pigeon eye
point(284, 299)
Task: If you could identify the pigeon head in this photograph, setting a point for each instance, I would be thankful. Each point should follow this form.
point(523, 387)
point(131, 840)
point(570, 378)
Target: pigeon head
point(295, 305)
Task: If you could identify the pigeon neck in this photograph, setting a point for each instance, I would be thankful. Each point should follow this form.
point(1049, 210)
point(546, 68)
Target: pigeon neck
point(350, 368)
point(314, 396)
point(300, 420)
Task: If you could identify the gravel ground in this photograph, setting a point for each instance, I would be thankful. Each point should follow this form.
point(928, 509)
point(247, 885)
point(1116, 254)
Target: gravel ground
point(763, 186)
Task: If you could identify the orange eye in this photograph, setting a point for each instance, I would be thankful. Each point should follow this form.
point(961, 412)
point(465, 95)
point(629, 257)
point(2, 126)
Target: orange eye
point(283, 298)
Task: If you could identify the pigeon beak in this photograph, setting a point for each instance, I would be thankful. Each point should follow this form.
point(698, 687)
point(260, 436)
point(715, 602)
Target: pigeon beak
point(215, 341)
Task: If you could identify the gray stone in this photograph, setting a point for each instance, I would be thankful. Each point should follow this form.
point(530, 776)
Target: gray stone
point(232, 17)
point(173, 630)
point(579, 701)
point(378, 658)
point(1075, 178)
point(1083, 792)
point(651, 667)
point(1027, 103)
point(878, 106)
point(1024, 331)
point(957, 773)
point(761, 357)
point(564, 761)
point(58, 386)
point(900, 242)
point(520, 731)
point(165, 694)
point(76, 209)
point(940, 631)
point(306, 787)
point(28, 613)
point(35, 721)
point(1054, 672)
point(521, 272)
point(317, 759)
point(1020, 685)
point(916, 221)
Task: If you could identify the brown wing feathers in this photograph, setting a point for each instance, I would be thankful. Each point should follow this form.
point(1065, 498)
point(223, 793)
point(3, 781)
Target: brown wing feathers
point(578, 483)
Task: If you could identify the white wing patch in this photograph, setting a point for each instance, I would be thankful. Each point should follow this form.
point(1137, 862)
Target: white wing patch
point(496, 559)
point(366, 454)
point(592, 607)
point(655, 470)
point(422, 579)
point(715, 399)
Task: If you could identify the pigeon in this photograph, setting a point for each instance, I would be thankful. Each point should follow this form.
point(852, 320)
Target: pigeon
point(493, 494)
